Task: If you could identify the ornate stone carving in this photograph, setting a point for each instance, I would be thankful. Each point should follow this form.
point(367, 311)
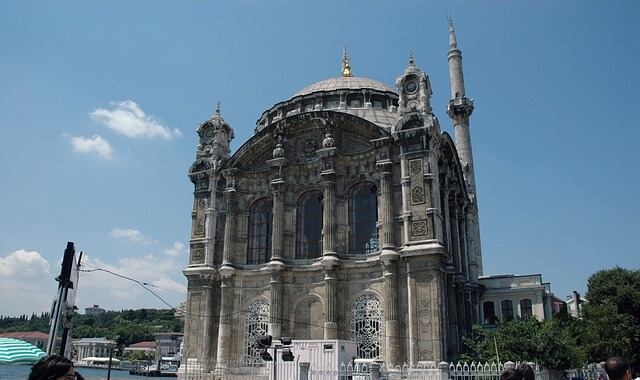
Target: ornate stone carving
point(426, 355)
point(198, 228)
point(417, 195)
point(197, 254)
point(424, 317)
point(419, 228)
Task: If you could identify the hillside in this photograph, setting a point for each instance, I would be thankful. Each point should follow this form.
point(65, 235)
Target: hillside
point(133, 325)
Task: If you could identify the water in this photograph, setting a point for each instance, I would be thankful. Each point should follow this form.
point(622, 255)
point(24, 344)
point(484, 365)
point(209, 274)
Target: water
point(21, 372)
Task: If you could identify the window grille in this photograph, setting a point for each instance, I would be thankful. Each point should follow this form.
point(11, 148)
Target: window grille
point(256, 325)
point(366, 326)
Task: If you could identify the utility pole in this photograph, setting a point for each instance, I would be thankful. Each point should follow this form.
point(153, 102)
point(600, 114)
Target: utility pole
point(65, 300)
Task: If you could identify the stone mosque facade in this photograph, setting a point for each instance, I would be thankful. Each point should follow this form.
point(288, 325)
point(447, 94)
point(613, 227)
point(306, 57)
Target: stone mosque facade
point(348, 215)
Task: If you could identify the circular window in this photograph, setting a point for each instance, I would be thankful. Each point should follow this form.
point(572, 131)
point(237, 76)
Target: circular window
point(411, 87)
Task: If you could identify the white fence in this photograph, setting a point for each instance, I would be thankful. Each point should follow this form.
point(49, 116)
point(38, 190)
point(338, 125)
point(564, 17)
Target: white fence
point(260, 370)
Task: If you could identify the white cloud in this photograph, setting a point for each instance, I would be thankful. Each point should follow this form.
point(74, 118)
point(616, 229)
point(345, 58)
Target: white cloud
point(91, 145)
point(28, 286)
point(26, 283)
point(130, 234)
point(176, 250)
point(127, 118)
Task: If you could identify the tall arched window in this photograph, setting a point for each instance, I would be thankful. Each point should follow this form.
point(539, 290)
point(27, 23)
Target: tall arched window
point(309, 228)
point(366, 322)
point(363, 215)
point(256, 325)
point(489, 313)
point(526, 310)
point(260, 222)
point(507, 310)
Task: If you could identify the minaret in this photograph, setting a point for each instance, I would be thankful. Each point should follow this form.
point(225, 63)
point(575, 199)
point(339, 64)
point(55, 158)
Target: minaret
point(459, 109)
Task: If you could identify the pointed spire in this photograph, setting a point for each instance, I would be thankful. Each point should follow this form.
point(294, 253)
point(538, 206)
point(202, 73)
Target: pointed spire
point(346, 69)
point(453, 44)
point(411, 63)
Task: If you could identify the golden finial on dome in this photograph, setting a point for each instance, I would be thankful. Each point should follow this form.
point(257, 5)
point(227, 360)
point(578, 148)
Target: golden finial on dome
point(346, 69)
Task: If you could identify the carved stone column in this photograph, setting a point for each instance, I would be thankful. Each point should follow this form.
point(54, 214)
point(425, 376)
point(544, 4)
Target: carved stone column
point(452, 315)
point(206, 354)
point(455, 236)
point(386, 205)
point(330, 312)
point(211, 220)
point(230, 228)
point(278, 191)
point(412, 313)
point(391, 296)
point(446, 224)
point(275, 310)
point(328, 215)
point(277, 234)
point(406, 197)
point(224, 331)
point(464, 253)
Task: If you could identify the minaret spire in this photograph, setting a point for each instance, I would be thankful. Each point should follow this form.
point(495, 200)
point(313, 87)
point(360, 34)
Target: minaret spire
point(459, 110)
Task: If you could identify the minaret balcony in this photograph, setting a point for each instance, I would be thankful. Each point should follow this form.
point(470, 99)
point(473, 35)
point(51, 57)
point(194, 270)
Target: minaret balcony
point(460, 108)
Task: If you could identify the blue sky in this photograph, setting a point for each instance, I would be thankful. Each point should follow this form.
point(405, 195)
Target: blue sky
point(99, 102)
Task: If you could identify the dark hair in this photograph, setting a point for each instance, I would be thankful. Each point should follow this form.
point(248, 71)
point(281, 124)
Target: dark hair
point(50, 367)
point(527, 372)
point(616, 367)
point(511, 374)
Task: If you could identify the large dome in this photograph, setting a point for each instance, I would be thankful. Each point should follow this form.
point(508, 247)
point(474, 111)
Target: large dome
point(344, 83)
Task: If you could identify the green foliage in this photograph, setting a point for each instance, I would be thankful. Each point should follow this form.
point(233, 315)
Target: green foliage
point(522, 340)
point(612, 316)
point(140, 355)
point(133, 325)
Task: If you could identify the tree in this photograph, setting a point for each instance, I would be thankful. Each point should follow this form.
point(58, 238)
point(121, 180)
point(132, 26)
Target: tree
point(525, 339)
point(612, 316)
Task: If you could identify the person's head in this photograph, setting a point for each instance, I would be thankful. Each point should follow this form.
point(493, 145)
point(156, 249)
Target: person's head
point(52, 367)
point(511, 374)
point(617, 369)
point(527, 372)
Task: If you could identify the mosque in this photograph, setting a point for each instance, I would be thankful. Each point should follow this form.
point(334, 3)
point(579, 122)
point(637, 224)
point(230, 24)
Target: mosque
point(348, 215)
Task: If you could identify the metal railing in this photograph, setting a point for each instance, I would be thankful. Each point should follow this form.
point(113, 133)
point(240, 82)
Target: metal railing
point(260, 370)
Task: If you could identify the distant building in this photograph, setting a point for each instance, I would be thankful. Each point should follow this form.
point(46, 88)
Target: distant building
point(148, 348)
point(95, 309)
point(168, 344)
point(91, 348)
point(508, 296)
point(574, 304)
point(36, 338)
point(558, 305)
point(180, 311)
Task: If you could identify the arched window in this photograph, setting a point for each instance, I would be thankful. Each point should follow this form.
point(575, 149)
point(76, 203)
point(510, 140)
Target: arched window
point(309, 228)
point(366, 321)
point(526, 310)
point(260, 222)
point(256, 325)
point(507, 310)
point(489, 313)
point(363, 215)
